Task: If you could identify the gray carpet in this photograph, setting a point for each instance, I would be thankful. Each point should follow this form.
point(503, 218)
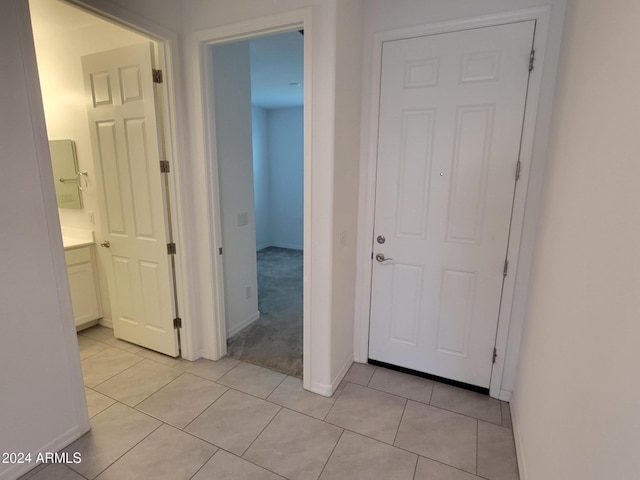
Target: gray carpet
point(275, 339)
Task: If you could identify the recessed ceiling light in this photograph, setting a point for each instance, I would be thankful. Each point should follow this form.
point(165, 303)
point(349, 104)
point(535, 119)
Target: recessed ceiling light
point(295, 84)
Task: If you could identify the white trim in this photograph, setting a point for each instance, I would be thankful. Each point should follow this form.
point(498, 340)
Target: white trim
point(328, 390)
point(206, 181)
point(244, 324)
point(505, 395)
point(368, 175)
point(522, 463)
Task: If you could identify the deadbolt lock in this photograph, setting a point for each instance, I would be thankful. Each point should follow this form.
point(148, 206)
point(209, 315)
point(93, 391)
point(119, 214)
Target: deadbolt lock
point(381, 239)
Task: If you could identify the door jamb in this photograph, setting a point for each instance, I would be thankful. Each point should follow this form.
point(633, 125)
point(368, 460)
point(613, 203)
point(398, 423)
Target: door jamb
point(204, 140)
point(368, 177)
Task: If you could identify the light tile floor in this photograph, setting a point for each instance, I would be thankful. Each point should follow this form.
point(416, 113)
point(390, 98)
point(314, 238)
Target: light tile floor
point(157, 417)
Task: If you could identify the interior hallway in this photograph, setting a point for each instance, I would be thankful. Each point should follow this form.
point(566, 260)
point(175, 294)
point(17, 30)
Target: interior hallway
point(158, 417)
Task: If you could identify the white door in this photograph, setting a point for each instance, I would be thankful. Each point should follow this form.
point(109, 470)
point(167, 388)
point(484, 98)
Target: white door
point(451, 114)
point(124, 136)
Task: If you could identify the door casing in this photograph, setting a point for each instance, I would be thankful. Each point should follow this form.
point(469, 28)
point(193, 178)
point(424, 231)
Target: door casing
point(368, 179)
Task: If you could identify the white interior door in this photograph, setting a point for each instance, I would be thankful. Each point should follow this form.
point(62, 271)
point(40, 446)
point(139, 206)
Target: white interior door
point(451, 113)
point(124, 135)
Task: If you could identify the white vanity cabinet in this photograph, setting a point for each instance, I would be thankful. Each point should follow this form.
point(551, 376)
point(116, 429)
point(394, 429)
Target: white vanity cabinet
point(83, 280)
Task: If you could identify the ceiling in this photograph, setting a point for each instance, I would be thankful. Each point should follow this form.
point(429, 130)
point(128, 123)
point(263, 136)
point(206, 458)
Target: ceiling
point(276, 63)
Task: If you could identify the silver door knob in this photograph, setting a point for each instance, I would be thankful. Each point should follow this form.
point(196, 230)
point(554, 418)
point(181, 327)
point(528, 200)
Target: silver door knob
point(105, 244)
point(381, 258)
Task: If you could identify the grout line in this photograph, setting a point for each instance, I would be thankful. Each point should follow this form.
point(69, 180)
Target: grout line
point(477, 444)
point(206, 461)
point(404, 409)
point(331, 454)
point(261, 432)
point(415, 467)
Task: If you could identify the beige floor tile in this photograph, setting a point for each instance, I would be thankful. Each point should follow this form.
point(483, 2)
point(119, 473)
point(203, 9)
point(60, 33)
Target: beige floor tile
point(167, 453)
point(506, 414)
point(367, 411)
point(360, 373)
point(89, 347)
point(234, 421)
point(53, 472)
point(430, 470)
point(226, 466)
point(294, 446)
point(290, 394)
point(401, 384)
point(122, 345)
point(98, 332)
point(182, 400)
point(159, 357)
point(208, 368)
point(440, 435)
point(104, 365)
point(496, 453)
point(113, 432)
point(138, 382)
point(466, 402)
point(361, 458)
point(97, 402)
point(252, 379)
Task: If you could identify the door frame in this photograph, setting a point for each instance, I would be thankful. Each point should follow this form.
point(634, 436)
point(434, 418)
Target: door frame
point(167, 44)
point(519, 268)
point(203, 138)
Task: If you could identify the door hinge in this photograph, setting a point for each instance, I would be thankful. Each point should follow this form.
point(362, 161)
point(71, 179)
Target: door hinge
point(171, 248)
point(177, 322)
point(164, 166)
point(219, 250)
point(532, 58)
point(157, 76)
point(506, 267)
point(495, 354)
point(518, 171)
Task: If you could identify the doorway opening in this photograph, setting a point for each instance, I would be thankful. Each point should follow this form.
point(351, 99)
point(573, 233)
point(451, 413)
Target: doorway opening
point(124, 197)
point(257, 87)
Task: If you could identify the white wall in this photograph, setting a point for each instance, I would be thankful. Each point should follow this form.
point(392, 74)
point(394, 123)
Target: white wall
point(260, 176)
point(286, 176)
point(42, 399)
point(63, 34)
point(577, 400)
point(349, 14)
point(381, 16)
point(232, 99)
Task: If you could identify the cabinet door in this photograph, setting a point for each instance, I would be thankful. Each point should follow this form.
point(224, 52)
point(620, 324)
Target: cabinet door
point(84, 294)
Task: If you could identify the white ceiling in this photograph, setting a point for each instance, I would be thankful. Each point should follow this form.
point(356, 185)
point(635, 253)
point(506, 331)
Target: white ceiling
point(276, 63)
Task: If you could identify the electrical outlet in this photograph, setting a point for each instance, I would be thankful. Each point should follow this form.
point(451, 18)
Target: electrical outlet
point(92, 218)
point(343, 239)
point(247, 293)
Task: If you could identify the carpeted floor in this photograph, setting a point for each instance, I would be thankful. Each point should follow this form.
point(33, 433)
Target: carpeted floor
point(275, 339)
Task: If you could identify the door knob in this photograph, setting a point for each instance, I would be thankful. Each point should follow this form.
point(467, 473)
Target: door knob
point(105, 244)
point(381, 258)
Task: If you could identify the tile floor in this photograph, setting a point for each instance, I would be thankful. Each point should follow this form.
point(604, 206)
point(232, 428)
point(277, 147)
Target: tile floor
point(157, 417)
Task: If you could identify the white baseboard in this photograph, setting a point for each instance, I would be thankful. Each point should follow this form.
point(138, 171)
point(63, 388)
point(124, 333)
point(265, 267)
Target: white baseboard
point(505, 395)
point(522, 464)
point(105, 323)
point(245, 323)
point(327, 390)
point(70, 436)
